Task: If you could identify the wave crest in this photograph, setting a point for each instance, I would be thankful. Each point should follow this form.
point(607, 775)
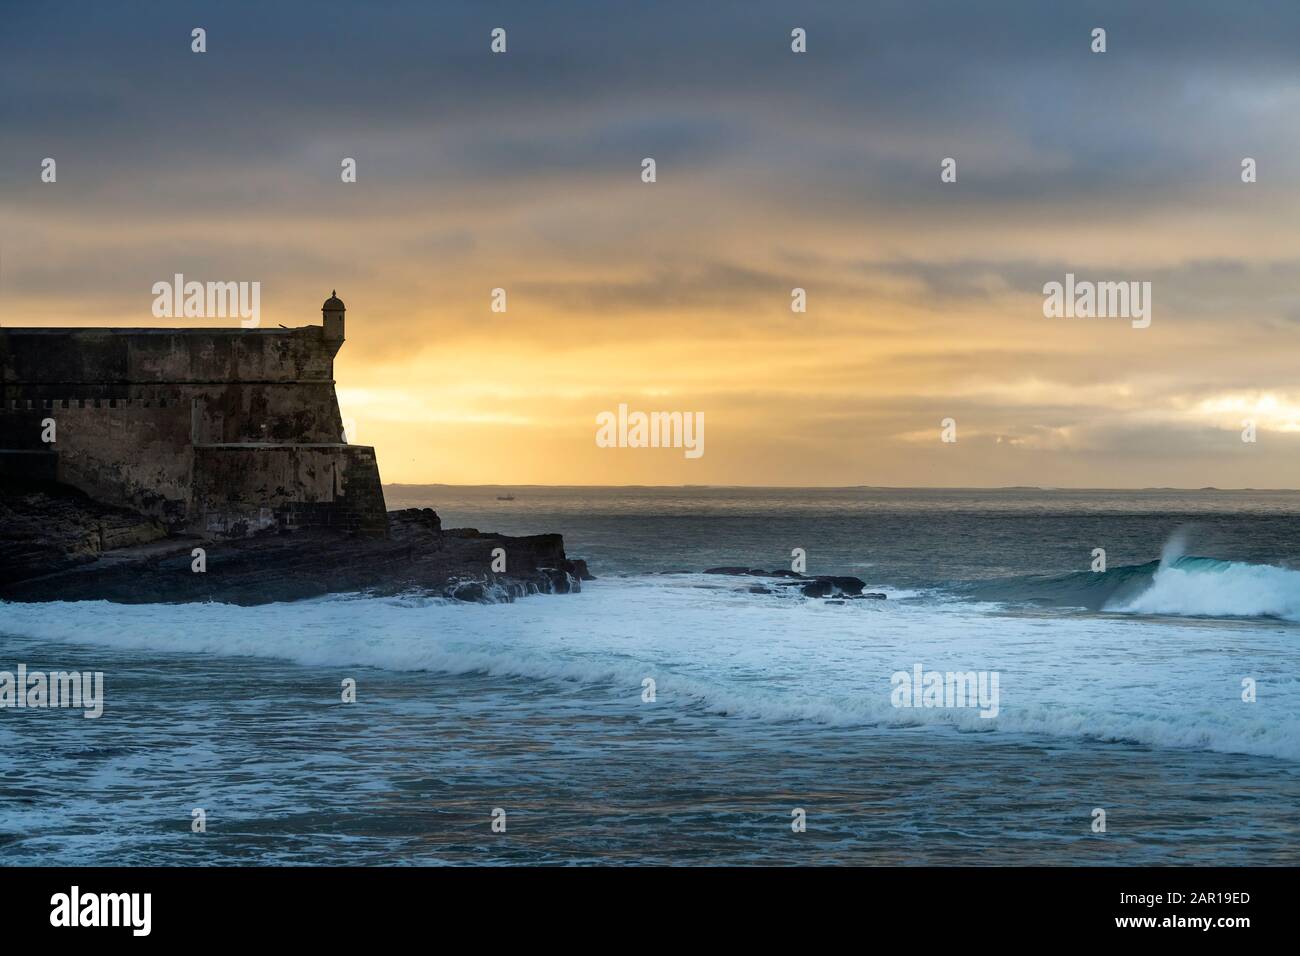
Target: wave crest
point(1208, 587)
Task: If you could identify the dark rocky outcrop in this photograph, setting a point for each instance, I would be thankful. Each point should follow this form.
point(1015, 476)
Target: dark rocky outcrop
point(58, 545)
point(814, 586)
point(45, 529)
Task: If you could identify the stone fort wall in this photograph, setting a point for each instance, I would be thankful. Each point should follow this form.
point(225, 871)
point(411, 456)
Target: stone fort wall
point(219, 431)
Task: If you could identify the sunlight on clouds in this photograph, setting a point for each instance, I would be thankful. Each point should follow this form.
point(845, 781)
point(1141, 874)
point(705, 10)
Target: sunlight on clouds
point(1269, 411)
point(923, 300)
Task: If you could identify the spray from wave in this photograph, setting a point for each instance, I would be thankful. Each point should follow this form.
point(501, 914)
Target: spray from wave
point(1178, 584)
point(1189, 586)
point(1208, 587)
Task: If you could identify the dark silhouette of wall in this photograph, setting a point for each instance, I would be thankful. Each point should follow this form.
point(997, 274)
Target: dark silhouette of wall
point(219, 431)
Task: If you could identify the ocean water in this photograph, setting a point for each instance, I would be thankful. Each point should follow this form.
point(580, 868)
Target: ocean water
point(1119, 690)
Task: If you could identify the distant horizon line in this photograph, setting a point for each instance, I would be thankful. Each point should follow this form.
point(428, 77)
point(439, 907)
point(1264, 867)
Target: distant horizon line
point(443, 484)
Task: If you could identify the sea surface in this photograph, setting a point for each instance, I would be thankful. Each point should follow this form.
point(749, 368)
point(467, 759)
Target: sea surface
point(1118, 691)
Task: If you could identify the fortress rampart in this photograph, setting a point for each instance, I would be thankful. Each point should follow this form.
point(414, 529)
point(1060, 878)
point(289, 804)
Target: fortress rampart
point(218, 431)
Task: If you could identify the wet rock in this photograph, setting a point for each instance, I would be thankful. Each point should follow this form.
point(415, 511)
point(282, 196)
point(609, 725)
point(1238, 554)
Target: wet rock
point(50, 528)
point(469, 591)
point(814, 586)
point(842, 584)
point(559, 579)
point(53, 548)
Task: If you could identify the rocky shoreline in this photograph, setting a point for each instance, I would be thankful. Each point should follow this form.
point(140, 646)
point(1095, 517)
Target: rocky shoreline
point(837, 587)
point(59, 545)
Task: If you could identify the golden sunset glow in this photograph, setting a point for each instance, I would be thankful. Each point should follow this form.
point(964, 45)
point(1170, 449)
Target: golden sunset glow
point(924, 298)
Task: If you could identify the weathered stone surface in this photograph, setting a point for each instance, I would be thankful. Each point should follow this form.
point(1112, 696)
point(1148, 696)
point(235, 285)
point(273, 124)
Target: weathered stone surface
point(50, 529)
point(222, 431)
point(245, 489)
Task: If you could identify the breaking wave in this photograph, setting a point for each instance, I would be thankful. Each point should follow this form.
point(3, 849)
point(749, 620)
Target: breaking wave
point(714, 650)
point(1185, 586)
point(1207, 587)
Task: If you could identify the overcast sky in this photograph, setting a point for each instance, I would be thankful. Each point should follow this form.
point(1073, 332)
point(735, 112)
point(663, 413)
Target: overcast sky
point(775, 170)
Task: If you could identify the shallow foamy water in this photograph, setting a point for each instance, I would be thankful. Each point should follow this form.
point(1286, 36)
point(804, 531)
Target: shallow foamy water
point(763, 703)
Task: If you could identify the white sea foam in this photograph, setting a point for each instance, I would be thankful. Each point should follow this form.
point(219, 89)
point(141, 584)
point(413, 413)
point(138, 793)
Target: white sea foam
point(715, 649)
point(1207, 588)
